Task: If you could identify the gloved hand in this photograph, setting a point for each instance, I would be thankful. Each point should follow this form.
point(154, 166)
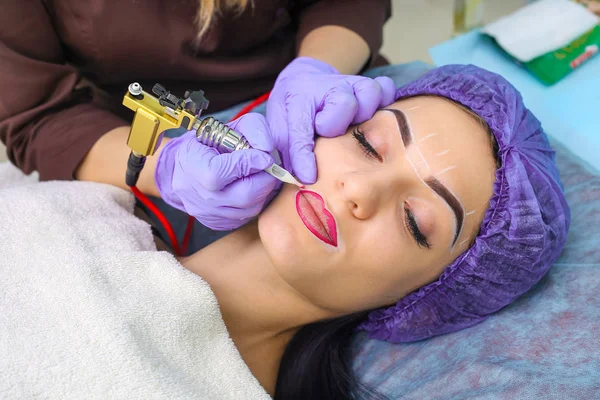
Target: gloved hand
point(222, 191)
point(310, 97)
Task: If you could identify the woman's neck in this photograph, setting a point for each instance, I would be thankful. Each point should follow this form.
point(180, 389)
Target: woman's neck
point(261, 311)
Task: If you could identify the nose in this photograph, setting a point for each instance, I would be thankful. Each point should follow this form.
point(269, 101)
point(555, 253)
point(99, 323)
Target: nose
point(362, 193)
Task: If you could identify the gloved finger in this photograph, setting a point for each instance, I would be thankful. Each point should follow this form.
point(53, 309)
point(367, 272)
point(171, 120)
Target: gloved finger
point(248, 192)
point(218, 223)
point(277, 120)
point(226, 168)
point(227, 218)
point(368, 94)
point(192, 158)
point(222, 210)
point(165, 175)
point(388, 90)
point(256, 130)
point(339, 109)
point(301, 114)
point(211, 210)
point(235, 214)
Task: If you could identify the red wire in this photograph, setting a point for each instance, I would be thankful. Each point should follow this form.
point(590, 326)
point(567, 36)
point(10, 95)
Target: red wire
point(146, 201)
point(163, 220)
point(256, 102)
point(188, 234)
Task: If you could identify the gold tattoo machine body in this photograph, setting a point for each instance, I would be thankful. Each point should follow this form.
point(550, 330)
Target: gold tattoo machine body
point(154, 115)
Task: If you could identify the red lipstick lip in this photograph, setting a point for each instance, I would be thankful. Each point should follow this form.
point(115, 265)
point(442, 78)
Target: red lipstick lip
point(310, 206)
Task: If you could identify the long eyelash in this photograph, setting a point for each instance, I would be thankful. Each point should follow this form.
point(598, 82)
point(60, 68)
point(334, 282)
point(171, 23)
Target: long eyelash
point(412, 226)
point(365, 145)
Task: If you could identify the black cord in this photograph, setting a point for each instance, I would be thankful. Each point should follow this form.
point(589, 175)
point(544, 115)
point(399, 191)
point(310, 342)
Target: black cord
point(135, 164)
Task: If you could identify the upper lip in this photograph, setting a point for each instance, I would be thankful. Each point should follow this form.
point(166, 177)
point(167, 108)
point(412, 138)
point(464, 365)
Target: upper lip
point(327, 230)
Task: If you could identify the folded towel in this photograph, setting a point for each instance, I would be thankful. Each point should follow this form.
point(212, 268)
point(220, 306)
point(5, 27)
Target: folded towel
point(541, 27)
point(90, 310)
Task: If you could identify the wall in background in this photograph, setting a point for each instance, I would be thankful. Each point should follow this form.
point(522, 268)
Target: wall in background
point(417, 25)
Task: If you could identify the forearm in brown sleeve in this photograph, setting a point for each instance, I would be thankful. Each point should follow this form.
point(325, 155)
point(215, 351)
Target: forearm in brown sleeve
point(55, 144)
point(46, 124)
point(364, 17)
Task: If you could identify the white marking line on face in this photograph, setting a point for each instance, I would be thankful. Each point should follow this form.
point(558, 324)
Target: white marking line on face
point(413, 108)
point(455, 247)
point(470, 213)
point(441, 153)
point(423, 161)
point(427, 137)
point(463, 211)
point(414, 167)
point(450, 168)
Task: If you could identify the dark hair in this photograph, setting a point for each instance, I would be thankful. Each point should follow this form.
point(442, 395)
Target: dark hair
point(317, 363)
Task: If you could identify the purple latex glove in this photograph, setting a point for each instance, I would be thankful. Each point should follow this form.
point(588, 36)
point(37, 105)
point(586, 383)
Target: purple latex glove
point(310, 97)
point(222, 191)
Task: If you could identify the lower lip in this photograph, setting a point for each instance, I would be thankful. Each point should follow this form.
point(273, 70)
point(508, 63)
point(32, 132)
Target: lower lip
point(311, 209)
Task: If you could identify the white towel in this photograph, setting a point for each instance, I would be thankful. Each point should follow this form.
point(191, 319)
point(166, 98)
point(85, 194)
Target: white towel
point(541, 27)
point(89, 309)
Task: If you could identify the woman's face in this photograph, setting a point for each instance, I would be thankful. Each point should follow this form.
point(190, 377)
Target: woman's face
point(403, 195)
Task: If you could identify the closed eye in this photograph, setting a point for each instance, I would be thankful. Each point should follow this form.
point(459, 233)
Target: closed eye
point(413, 227)
point(366, 147)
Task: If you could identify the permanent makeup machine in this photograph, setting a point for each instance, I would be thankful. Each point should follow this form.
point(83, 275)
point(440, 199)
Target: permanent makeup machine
point(154, 115)
point(159, 111)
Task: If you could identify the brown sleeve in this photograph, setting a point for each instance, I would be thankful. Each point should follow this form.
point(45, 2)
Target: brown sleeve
point(365, 17)
point(45, 123)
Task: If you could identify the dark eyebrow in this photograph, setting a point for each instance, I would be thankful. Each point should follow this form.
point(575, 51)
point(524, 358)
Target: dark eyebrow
point(432, 182)
point(403, 126)
point(452, 201)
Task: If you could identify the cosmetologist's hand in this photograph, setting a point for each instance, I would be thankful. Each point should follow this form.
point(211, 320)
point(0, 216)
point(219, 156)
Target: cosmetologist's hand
point(310, 97)
point(222, 191)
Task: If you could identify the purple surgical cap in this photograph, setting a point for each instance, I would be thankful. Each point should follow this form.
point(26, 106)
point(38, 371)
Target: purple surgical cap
point(523, 230)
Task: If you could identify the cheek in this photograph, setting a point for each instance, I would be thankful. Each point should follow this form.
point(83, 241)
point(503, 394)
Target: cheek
point(388, 266)
point(275, 227)
point(379, 248)
point(334, 155)
point(294, 252)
